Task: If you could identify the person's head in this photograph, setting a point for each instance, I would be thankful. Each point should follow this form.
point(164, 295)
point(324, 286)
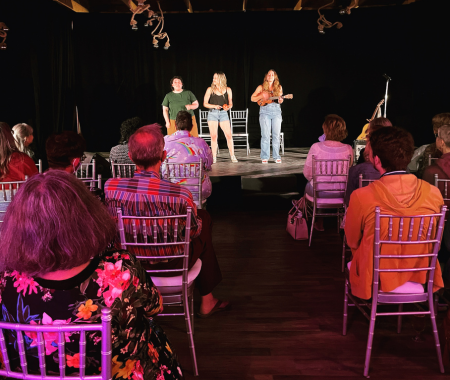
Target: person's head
point(23, 134)
point(176, 83)
point(146, 147)
point(183, 121)
point(128, 127)
point(219, 80)
point(366, 155)
point(270, 78)
point(443, 139)
point(439, 120)
point(7, 148)
point(334, 128)
point(54, 223)
point(65, 150)
point(377, 123)
point(391, 149)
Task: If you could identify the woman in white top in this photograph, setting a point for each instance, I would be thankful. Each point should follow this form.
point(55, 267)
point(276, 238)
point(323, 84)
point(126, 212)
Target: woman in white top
point(219, 99)
point(335, 131)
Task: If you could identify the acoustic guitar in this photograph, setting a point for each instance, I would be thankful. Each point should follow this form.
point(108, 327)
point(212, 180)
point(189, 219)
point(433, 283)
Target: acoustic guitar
point(263, 102)
point(363, 134)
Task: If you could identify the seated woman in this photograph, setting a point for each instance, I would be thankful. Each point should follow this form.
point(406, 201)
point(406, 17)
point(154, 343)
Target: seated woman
point(59, 271)
point(14, 165)
point(119, 153)
point(183, 148)
point(335, 131)
point(23, 134)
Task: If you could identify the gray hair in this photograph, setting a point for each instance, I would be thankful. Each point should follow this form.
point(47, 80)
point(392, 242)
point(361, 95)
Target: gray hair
point(20, 131)
point(444, 134)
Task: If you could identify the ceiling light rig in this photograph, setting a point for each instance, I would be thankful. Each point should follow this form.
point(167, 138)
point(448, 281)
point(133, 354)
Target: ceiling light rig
point(3, 33)
point(347, 11)
point(152, 16)
point(324, 23)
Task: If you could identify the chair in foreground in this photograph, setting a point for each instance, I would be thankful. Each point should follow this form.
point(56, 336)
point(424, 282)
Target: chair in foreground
point(442, 185)
point(87, 171)
point(189, 175)
point(122, 170)
point(8, 190)
point(59, 331)
point(419, 230)
point(329, 183)
point(39, 166)
point(139, 235)
point(431, 160)
point(239, 129)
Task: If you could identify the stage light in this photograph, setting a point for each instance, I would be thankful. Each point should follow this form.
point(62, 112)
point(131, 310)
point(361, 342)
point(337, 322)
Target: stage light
point(324, 23)
point(134, 27)
point(3, 33)
point(321, 31)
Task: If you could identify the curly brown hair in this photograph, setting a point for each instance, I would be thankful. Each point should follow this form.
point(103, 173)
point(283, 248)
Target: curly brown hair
point(334, 128)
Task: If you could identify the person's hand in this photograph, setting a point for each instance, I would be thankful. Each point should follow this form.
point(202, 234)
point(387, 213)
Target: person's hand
point(265, 95)
point(168, 125)
point(218, 107)
point(188, 106)
point(280, 100)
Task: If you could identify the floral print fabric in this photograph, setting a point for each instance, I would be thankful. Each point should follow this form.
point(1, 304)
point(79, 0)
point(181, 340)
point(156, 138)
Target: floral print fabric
point(141, 350)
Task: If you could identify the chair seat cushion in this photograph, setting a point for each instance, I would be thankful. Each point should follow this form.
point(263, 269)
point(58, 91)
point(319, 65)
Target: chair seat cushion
point(407, 287)
point(177, 280)
point(327, 201)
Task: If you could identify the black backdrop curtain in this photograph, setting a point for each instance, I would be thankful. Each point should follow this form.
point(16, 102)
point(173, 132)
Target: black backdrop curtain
point(37, 68)
point(113, 73)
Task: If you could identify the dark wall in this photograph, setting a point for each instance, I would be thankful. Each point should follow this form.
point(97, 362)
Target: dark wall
point(118, 74)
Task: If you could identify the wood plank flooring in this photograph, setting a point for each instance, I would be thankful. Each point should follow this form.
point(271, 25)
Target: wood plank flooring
point(287, 304)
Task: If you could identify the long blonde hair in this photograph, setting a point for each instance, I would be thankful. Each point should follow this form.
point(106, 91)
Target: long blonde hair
point(222, 83)
point(7, 148)
point(20, 131)
point(276, 84)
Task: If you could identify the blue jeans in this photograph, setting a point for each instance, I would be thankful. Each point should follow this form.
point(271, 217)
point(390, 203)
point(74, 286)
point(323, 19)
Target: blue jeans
point(270, 121)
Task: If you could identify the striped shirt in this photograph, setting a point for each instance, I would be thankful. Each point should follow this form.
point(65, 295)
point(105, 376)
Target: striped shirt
point(147, 195)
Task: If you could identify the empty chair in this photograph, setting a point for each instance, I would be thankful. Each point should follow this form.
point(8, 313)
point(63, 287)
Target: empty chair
point(123, 170)
point(203, 128)
point(329, 182)
point(39, 166)
point(239, 129)
point(139, 235)
point(12, 339)
point(281, 141)
point(421, 236)
point(86, 171)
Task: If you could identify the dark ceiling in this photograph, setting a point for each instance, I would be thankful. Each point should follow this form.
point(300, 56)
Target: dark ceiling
point(184, 6)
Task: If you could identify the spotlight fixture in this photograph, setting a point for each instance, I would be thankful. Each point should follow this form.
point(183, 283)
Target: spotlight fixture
point(353, 4)
point(3, 33)
point(142, 7)
point(324, 23)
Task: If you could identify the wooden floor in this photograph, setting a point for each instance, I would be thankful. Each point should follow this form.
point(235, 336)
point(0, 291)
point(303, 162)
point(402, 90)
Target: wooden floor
point(287, 298)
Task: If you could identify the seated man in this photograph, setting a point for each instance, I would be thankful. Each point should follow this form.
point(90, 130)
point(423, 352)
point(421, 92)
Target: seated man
point(183, 148)
point(146, 194)
point(441, 166)
point(396, 193)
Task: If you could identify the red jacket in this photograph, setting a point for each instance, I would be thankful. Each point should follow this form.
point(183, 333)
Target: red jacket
point(20, 165)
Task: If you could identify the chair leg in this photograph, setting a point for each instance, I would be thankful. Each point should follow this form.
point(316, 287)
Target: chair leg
point(344, 327)
point(399, 319)
point(436, 337)
point(190, 334)
point(370, 340)
point(192, 311)
point(312, 224)
point(343, 253)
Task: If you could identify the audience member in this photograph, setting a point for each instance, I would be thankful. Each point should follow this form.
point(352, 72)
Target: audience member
point(397, 193)
point(23, 134)
point(119, 153)
point(366, 169)
point(335, 131)
point(14, 165)
point(182, 148)
point(438, 121)
point(65, 151)
point(146, 194)
point(441, 166)
point(54, 264)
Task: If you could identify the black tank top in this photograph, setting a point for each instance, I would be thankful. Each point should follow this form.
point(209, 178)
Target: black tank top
point(218, 100)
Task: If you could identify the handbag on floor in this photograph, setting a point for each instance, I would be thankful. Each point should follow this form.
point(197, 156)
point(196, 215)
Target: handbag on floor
point(296, 223)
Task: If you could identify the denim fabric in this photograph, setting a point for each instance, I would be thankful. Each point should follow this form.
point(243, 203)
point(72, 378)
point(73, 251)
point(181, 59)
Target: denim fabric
point(270, 121)
point(218, 115)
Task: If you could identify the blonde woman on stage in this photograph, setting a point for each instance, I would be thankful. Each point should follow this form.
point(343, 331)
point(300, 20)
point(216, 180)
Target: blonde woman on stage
point(219, 99)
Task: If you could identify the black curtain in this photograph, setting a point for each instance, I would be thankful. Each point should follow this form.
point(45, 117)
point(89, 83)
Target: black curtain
point(36, 69)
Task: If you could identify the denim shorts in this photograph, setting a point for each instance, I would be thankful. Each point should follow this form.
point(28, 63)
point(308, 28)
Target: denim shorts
point(218, 115)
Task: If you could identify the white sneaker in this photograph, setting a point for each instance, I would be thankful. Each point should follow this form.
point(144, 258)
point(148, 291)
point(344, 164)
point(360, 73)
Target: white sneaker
point(278, 161)
point(214, 160)
point(234, 159)
point(265, 161)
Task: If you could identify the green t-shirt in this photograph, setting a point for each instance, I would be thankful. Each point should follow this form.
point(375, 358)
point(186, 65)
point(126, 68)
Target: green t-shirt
point(177, 102)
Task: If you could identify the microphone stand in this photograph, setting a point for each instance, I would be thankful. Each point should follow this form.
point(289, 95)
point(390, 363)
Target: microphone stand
point(388, 78)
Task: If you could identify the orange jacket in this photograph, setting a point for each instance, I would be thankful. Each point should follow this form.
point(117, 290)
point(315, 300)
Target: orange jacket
point(396, 195)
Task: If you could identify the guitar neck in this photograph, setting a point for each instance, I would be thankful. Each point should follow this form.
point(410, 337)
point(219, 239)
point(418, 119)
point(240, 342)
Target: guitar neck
point(275, 97)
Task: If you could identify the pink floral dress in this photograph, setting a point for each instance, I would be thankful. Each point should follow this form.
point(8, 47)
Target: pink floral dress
point(141, 350)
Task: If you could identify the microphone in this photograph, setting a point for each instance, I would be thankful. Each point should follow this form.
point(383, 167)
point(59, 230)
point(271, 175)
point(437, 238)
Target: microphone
point(387, 77)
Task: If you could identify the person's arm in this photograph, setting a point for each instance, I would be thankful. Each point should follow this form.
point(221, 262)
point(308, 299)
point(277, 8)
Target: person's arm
point(230, 98)
point(354, 221)
point(280, 99)
point(259, 94)
point(166, 116)
point(29, 167)
point(192, 106)
point(307, 169)
point(206, 101)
